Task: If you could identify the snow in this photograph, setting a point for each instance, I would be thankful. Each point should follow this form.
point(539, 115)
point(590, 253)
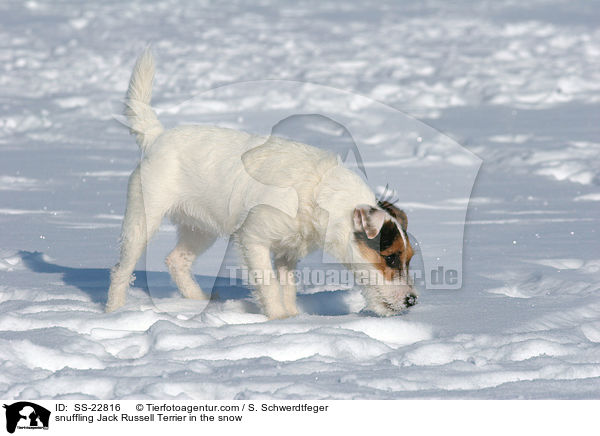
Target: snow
point(517, 85)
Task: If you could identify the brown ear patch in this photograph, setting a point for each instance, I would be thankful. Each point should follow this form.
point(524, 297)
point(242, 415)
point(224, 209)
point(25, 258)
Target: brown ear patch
point(389, 242)
point(399, 214)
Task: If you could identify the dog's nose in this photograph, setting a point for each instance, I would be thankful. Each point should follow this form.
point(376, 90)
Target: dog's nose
point(410, 300)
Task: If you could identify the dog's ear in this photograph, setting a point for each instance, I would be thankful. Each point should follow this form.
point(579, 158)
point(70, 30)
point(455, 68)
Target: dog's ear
point(399, 214)
point(368, 219)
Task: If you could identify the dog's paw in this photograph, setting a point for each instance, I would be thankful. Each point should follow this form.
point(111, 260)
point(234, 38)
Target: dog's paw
point(292, 312)
point(195, 294)
point(111, 307)
point(277, 313)
point(116, 300)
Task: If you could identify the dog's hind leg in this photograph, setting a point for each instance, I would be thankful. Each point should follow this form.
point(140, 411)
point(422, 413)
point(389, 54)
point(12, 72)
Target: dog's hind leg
point(144, 213)
point(191, 243)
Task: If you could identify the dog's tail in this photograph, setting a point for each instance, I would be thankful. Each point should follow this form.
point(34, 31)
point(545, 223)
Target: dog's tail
point(141, 118)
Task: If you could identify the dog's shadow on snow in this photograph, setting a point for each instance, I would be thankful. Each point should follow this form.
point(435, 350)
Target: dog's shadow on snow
point(95, 282)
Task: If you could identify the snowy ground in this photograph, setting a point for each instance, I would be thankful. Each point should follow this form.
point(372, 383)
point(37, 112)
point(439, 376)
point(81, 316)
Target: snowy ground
point(517, 85)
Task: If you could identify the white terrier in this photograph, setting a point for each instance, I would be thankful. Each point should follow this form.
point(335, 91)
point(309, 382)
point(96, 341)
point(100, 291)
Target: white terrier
point(202, 178)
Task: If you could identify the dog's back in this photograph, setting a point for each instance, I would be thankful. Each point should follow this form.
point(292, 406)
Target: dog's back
point(228, 172)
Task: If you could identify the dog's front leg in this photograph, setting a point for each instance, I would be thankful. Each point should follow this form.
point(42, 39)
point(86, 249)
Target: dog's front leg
point(285, 274)
point(262, 277)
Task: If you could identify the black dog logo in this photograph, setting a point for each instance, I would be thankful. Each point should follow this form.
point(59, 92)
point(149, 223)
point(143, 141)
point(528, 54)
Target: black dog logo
point(33, 416)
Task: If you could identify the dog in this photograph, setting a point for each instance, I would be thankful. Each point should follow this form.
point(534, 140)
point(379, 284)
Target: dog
point(201, 177)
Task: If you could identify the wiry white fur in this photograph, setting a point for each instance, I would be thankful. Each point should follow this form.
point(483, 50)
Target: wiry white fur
point(202, 176)
point(141, 117)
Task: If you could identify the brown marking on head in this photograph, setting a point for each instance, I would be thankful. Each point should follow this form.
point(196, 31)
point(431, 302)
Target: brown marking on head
point(399, 214)
point(388, 251)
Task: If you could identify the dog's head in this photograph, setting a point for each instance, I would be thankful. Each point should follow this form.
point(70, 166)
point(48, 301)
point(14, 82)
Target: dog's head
point(383, 249)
